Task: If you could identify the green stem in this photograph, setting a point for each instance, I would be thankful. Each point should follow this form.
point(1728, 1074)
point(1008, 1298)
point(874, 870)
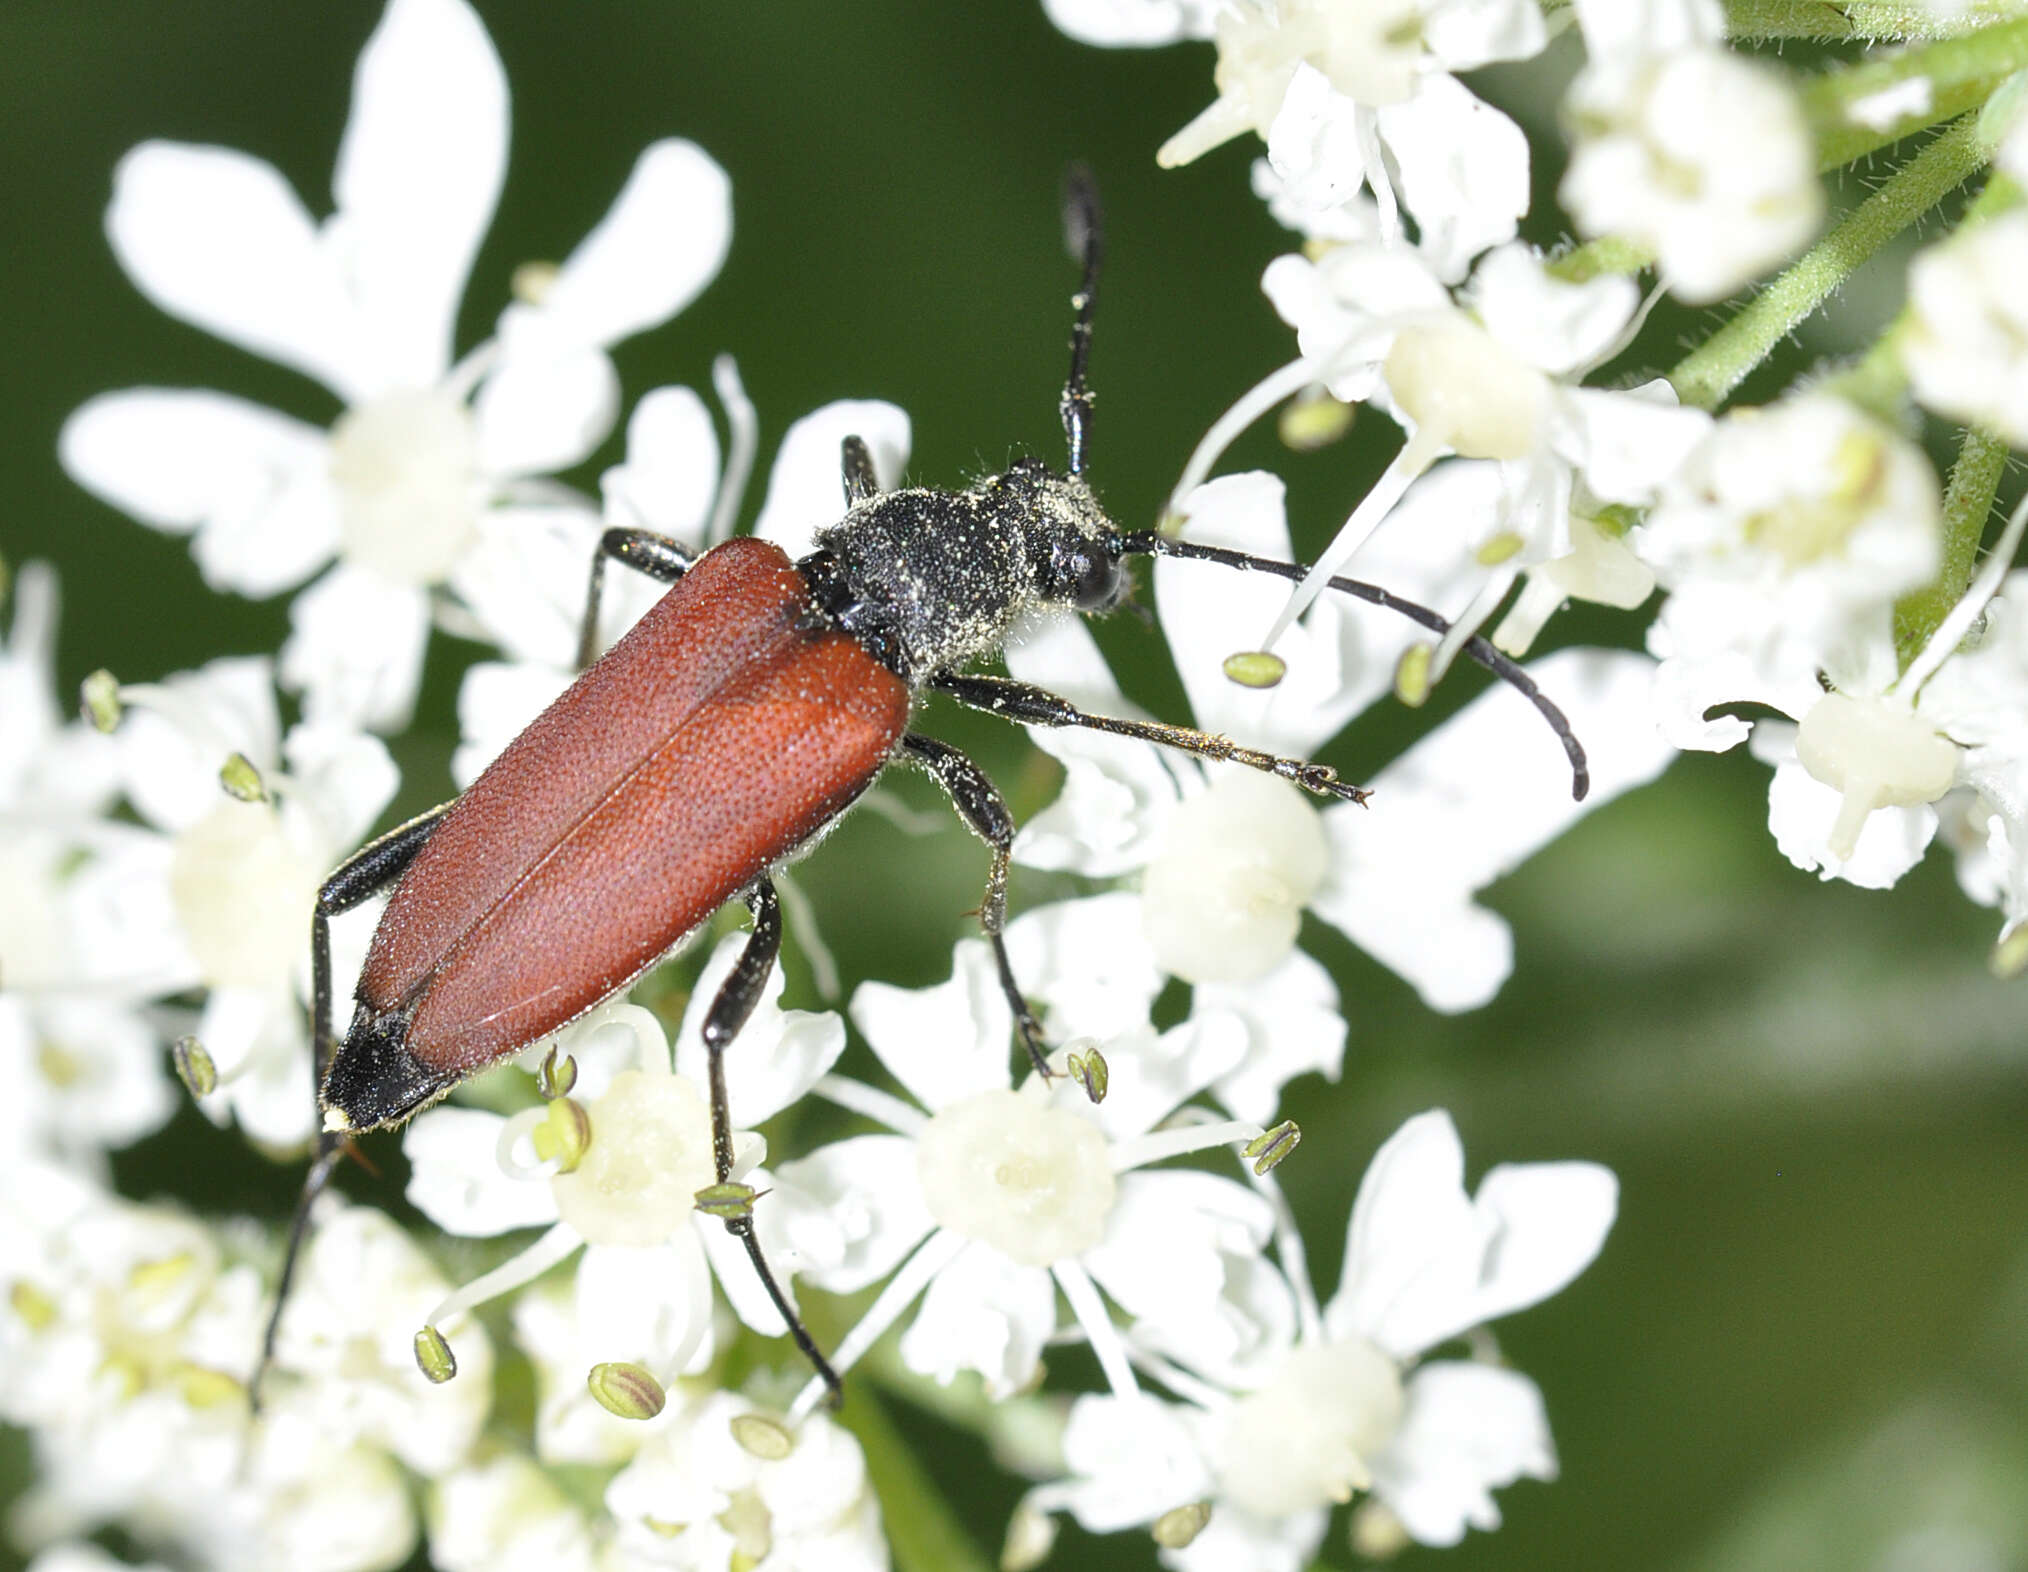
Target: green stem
point(1607, 254)
point(1857, 19)
point(922, 1530)
point(1948, 63)
point(1708, 373)
point(1840, 145)
point(1967, 505)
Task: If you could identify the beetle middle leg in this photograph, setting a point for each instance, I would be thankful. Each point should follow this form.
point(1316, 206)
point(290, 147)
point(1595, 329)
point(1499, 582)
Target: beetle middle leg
point(730, 1010)
point(984, 811)
point(363, 875)
point(1033, 706)
point(661, 558)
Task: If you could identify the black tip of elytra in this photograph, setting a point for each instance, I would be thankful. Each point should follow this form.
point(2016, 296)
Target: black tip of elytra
point(374, 1078)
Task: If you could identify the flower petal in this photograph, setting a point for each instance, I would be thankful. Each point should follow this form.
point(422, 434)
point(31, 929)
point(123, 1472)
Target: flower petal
point(1467, 1429)
point(855, 1209)
point(1462, 167)
point(1293, 1026)
point(538, 414)
point(779, 1054)
point(982, 1312)
point(255, 485)
point(1087, 964)
point(217, 238)
point(943, 1043)
point(649, 1307)
point(496, 702)
point(1132, 23)
point(670, 477)
point(455, 1177)
point(1550, 1222)
point(355, 649)
point(806, 490)
point(1170, 1243)
point(664, 239)
point(419, 172)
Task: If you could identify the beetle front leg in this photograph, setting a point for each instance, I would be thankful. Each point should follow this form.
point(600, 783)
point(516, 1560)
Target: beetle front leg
point(363, 875)
point(980, 805)
point(734, 1005)
point(1033, 706)
point(661, 558)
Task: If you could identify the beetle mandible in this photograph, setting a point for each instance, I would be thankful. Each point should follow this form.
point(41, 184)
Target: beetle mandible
point(719, 738)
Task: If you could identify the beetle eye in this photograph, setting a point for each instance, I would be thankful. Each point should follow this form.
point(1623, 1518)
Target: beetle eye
point(1088, 578)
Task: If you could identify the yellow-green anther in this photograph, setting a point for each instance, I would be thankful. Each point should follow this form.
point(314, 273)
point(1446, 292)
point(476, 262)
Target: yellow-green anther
point(1088, 1069)
point(742, 1561)
point(1255, 668)
point(564, 1136)
point(726, 1200)
point(1313, 420)
point(101, 696)
point(626, 1391)
point(156, 1280)
point(194, 1067)
point(433, 1356)
point(1615, 519)
point(203, 1387)
point(1499, 548)
point(532, 281)
point(762, 1437)
point(662, 1527)
point(1179, 1525)
point(35, 1308)
point(125, 1375)
point(241, 780)
point(2010, 955)
point(1271, 1147)
point(556, 1076)
point(1411, 675)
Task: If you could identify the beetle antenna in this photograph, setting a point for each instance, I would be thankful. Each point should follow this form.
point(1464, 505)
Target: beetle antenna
point(1083, 235)
point(1151, 543)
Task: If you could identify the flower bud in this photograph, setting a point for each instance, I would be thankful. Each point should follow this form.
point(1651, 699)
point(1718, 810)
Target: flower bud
point(626, 1390)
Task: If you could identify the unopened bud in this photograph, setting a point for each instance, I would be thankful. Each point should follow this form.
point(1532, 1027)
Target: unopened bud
point(433, 1356)
point(726, 1200)
point(194, 1067)
point(101, 699)
point(241, 780)
point(1255, 668)
point(759, 1436)
point(626, 1391)
point(1088, 1069)
point(1031, 1535)
point(1178, 1526)
point(532, 282)
point(1411, 675)
point(556, 1076)
point(1270, 1148)
point(1313, 420)
point(564, 1136)
point(2010, 956)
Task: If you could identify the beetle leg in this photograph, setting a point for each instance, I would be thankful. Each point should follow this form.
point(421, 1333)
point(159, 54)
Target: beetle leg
point(656, 555)
point(860, 482)
point(985, 813)
point(1033, 706)
point(364, 874)
point(737, 997)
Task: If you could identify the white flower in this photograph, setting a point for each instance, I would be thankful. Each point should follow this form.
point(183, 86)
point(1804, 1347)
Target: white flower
point(987, 1199)
point(1350, 1403)
point(643, 1285)
point(218, 895)
point(1687, 148)
point(506, 1515)
point(1784, 541)
point(721, 1484)
point(1495, 379)
point(1963, 345)
point(413, 487)
point(84, 1069)
point(1224, 882)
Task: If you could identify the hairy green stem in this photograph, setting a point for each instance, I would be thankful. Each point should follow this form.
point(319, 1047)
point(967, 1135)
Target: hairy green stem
point(1708, 373)
point(1858, 19)
point(1989, 53)
point(922, 1530)
point(1967, 505)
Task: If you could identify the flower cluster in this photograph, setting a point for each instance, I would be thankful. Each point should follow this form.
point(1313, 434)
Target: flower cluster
point(165, 852)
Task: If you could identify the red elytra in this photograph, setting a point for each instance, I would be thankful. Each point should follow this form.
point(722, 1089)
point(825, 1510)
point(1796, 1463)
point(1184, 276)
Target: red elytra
point(631, 810)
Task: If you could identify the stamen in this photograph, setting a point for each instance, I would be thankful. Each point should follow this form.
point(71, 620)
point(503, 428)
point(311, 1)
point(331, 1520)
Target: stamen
point(1256, 401)
point(743, 433)
point(1365, 518)
point(556, 1245)
point(1106, 1343)
point(931, 1257)
point(1159, 1145)
point(881, 1107)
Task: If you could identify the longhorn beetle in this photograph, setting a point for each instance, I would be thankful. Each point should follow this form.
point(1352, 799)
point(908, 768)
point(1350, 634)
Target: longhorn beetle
point(717, 740)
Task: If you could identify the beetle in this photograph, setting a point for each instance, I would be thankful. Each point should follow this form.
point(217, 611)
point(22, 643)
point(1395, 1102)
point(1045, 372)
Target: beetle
point(716, 741)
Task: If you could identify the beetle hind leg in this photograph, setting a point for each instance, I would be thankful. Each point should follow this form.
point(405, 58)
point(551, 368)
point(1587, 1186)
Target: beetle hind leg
point(730, 1010)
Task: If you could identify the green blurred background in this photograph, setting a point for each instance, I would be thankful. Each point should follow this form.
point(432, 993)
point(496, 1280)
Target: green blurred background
point(1804, 1343)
